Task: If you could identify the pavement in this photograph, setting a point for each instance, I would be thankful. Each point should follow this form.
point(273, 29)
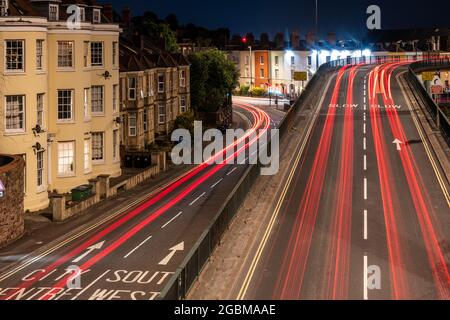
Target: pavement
point(363, 213)
point(124, 248)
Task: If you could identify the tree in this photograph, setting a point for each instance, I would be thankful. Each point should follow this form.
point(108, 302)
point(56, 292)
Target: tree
point(185, 121)
point(213, 78)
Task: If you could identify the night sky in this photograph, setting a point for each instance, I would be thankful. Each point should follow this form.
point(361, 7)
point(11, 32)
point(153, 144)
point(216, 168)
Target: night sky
point(347, 18)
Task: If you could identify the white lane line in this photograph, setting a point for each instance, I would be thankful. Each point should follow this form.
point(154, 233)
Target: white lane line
point(215, 184)
point(365, 225)
point(140, 245)
point(365, 188)
point(365, 100)
point(364, 93)
point(366, 276)
point(193, 202)
point(365, 107)
point(365, 144)
point(90, 285)
point(171, 220)
point(232, 170)
point(365, 162)
point(365, 117)
point(244, 161)
point(364, 128)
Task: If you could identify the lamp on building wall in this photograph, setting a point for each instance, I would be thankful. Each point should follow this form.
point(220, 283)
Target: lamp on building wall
point(37, 130)
point(107, 75)
point(118, 120)
point(37, 147)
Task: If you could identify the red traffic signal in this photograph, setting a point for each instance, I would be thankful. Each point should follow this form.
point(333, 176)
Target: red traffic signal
point(244, 39)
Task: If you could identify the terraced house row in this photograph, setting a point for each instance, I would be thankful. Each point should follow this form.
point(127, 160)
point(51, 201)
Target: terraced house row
point(66, 106)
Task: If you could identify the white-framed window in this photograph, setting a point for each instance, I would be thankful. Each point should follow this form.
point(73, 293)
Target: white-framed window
point(98, 146)
point(65, 105)
point(183, 106)
point(66, 54)
point(15, 114)
point(97, 94)
point(277, 73)
point(39, 54)
point(277, 58)
point(86, 54)
point(97, 53)
point(261, 73)
point(40, 169)
point(132, 124)
point(115, 97)
point(87, 156)
point(145, 120)
point(40, 109)
point(66, 158)
point(82, 14)
point(115, 144)
point(115, 49)
point(86, 97)
point(150, 85)
point(261, 59)
point(132, 87)
point(3, 8)
point(53, 12)
point(15, 55)
point(292, 60)
point(183, 78)
point(160, 83)
point(161, 113)
point(96, 16)
point(309, 61)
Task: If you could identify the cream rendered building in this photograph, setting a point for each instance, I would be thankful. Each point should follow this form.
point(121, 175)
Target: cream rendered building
point(59, 93)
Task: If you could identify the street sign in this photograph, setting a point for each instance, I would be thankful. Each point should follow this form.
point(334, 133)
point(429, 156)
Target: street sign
point(428, 75)
point(301, 76)
point(2, 189)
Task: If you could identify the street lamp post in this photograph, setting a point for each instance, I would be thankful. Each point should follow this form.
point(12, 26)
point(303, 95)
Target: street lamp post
point(251, 68)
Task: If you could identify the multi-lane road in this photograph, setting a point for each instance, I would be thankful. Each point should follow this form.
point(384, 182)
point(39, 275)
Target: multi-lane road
point(366, 214)
point(132, 253)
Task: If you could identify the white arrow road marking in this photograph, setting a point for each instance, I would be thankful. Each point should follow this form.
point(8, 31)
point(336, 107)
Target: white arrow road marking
point(140, 245)
point(97, 246)
point(399, 144)
point(173, 251)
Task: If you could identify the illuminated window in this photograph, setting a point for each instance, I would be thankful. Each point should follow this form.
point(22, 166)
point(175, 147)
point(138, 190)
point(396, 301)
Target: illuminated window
point(86, 96)
point(87, 155)
point(66, 158)
point(40, 110)
point(85, 54)
point(40, 168)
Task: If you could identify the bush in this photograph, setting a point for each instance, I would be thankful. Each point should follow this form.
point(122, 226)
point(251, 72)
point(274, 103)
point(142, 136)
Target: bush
point(244, 90)
point(258, 92)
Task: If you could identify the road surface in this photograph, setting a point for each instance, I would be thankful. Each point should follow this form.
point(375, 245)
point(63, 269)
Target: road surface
point(366, 214)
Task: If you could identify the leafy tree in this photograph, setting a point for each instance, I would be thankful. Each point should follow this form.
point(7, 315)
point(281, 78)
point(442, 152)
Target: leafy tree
point(213, 78)
point(185, 121)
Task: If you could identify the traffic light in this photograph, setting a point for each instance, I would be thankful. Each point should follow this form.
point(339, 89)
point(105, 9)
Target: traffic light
point(244, 40)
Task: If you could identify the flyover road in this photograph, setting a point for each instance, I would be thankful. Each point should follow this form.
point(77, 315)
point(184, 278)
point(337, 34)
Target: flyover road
point(365, 213)
point(133, 253)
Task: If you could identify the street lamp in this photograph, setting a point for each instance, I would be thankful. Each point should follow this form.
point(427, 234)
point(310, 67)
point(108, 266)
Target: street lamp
point(251, 68)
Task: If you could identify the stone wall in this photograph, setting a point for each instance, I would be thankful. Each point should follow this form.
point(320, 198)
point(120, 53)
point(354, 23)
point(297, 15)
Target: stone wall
point(11, 204)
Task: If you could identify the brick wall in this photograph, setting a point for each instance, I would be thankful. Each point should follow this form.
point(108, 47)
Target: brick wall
point(11, 205)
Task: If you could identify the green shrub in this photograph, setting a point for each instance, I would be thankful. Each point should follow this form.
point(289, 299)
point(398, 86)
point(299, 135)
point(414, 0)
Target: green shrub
point(258, 92)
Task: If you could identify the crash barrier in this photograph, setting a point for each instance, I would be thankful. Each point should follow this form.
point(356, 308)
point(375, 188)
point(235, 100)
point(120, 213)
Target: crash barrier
point(181, 282)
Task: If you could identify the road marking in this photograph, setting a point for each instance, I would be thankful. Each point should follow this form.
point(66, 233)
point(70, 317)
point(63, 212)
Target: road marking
point(140, 245)
point(171, 220)
point(259, 251)
point(193, 202)
point(97, 246)
point(364, 128)
point(232, 170)
point(365, 117)
point(365, 225)
point(366, 278)
point(365, 144)
point(215, 184)
point(243, 161)
point(173, 251)
point(365, 188)
point(365, 162)
point(365, 100)
point(90, 285)
point(426, 146)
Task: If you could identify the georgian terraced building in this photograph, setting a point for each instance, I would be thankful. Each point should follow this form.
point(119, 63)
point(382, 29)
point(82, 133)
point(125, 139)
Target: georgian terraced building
point(59, 93)
point(154, 91)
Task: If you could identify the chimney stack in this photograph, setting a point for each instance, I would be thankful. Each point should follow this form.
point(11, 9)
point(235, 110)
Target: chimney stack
point(126, 16)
